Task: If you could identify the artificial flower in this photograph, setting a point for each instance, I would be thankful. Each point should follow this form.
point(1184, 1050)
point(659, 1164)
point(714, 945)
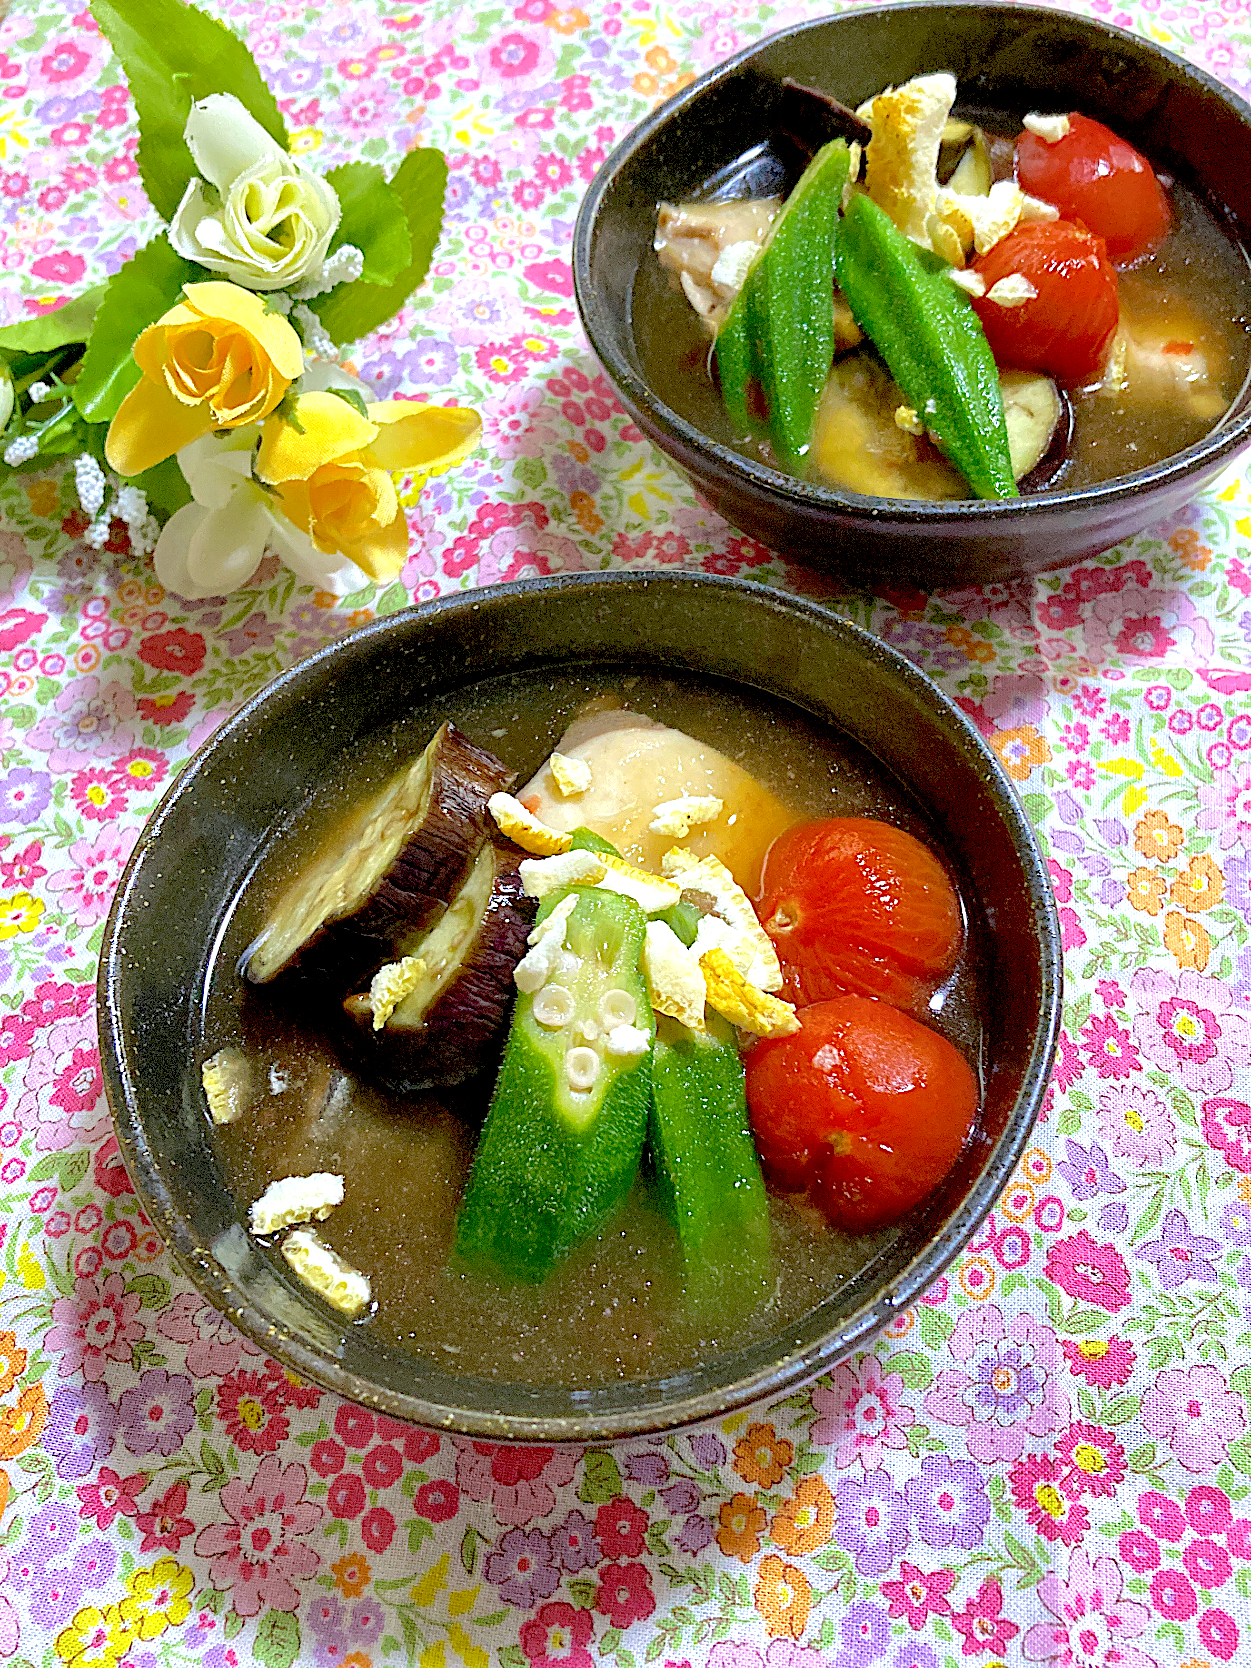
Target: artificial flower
point(332, 469)
point(217, 360)
point(264, 220)
point(214, 544)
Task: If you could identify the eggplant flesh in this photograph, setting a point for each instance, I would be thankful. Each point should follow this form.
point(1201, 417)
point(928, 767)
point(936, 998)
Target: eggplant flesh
point(391, 872)
point(1039, 421)
point(444, 1030)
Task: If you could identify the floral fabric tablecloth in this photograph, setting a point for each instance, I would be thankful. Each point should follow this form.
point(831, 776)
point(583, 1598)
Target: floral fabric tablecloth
point(1048, 1459)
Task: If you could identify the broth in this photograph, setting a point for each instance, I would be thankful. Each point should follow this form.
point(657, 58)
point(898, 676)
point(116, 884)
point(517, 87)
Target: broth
point(1200, 272)
point(615, 1309)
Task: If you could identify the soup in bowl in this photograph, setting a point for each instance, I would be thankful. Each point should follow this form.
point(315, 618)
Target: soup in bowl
point(957, 230)
point(609, 1336)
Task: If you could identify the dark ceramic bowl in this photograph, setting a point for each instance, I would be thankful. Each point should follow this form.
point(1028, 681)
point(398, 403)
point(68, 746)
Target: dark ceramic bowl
point(204, 841)
point(1008, 58)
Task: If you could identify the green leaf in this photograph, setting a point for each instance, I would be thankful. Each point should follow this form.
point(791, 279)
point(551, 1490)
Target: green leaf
point(373, 219)
point(353, 310)
point(1142, 1459)
point(165, 486)
point(352, 397)
point(913, 1368)
point(469, 1550)
point(512, 1656)
point(138, 293)
point(392, 599)
point(1069, 1120)
point(277, 1642)
point(204, 1409)
point(601, 1478)
point(71, 323)
point(233, 1624)
point(1085, 1320)
point(583, 1592)
point(934, 1326)
point(1037, 806)
point(1240, 1454)
point(214, 1465)
point(153, 1290)
point(174, 54)
point(1121, 1411)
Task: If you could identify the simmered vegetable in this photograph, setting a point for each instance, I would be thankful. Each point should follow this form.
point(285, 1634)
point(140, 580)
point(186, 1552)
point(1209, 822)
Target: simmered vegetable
point(431, 1018)
point(704, 1157)
point(1060, 308)
point(567, 1122)
point(858, 906)
point(863, 1106)
point(636, 764)
point(929, 336)
point(392, 872)
point(775, 349)
point(1035, 412)
point(1097, 178)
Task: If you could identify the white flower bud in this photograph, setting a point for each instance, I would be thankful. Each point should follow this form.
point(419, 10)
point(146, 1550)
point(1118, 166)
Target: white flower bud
point(89, 479)
point(21, 450)
point(270, 220)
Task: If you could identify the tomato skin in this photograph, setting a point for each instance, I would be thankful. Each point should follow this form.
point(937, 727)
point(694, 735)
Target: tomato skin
point(1066, 328)
point(862, 1105)
point(854, 905)
point(1093, 176)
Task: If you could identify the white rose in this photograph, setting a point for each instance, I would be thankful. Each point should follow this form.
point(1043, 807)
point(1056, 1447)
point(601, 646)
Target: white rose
point(264, 220)
point(215, 544)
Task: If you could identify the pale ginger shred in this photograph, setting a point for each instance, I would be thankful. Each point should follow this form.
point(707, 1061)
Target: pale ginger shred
point(345, 1288)
point(1013, 291)
point(1051, 129)
point(743, 1003)
point(676, 817)
point(570, 777)
point(295, 1199)
point(675, 980)
point(391, 984)
point(901, 160)
point(226, 1077)
point(524, 829)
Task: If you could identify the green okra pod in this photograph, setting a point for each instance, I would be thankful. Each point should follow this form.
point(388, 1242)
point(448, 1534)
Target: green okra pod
point(776, 345)
point(932, 341)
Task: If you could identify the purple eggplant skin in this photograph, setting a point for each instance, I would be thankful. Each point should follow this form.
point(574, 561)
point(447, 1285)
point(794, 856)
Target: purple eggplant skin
point(1053, 460)
point(430, 864)
point(460, 1034)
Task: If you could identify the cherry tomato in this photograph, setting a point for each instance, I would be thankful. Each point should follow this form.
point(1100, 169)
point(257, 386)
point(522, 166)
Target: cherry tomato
point(862, 1105)
point(1065, 329)
point(1092, 176)
point(856, 905)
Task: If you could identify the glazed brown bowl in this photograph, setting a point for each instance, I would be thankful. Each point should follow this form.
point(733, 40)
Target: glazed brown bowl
point(1010, 58)
point(204, 841)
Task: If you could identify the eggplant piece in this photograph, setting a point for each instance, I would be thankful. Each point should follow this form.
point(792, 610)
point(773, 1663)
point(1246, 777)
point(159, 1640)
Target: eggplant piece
point(810, 118)
point(444, 1028)
point(972, 175)
point(390, 874)
point(1039, 420)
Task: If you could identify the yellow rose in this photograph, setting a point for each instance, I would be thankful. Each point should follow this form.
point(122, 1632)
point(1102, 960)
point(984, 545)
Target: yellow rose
point(215, 361)
point(332, 470)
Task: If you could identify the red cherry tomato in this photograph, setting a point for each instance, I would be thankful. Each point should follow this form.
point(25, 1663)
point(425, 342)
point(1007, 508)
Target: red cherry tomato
point(856, 905)
point(1065, 329)
point(1092, 176)
point(862, 1105)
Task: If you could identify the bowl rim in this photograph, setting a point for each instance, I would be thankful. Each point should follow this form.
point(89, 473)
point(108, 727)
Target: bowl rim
point(1228, 436)
point(789, 1371)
